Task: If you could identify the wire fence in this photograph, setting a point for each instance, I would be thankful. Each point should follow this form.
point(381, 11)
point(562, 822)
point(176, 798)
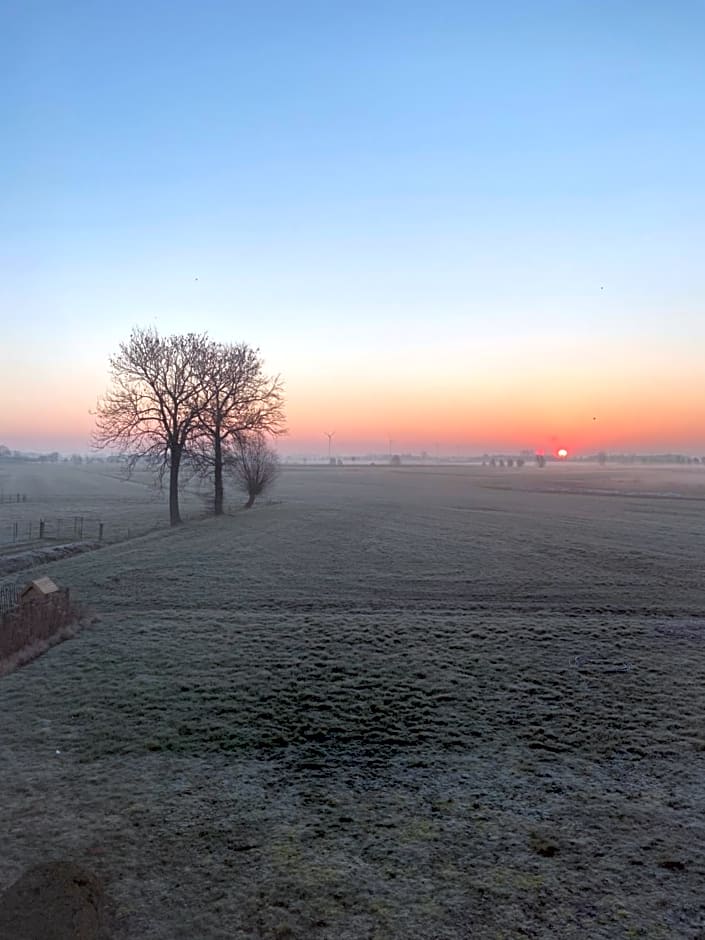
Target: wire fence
point(34, 624)
point(12, 497)
point(78, 528)
point(61, 528)
point(9, 597)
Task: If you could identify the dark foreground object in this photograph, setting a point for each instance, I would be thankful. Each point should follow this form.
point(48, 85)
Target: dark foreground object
point(54, 901)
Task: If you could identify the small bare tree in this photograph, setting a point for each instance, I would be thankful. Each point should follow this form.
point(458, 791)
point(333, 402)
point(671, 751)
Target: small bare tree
point(254, 464)
point(152, 406)
point(239, 400)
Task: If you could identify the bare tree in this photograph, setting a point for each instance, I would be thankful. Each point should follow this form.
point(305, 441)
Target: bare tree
point(152, 406)
point(253, 463)
point(239, 399)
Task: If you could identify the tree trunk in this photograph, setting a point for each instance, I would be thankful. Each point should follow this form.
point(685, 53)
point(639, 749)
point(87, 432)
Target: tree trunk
point(250, 501)
point(175, 462)
point(218, 473)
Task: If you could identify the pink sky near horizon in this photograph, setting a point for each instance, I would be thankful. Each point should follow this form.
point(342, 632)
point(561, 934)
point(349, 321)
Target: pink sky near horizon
point(498, 402)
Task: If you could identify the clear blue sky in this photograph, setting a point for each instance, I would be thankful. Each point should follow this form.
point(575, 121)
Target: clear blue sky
point(353, 184)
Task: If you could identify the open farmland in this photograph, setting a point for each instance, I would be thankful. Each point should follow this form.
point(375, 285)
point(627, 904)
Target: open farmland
point(62, 492)
point(416, 703)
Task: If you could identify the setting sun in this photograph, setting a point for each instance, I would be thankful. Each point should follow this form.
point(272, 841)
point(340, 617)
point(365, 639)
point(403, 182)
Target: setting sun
point(562, 453)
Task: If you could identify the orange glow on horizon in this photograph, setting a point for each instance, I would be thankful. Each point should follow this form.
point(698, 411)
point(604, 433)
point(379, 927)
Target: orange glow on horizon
point(640, 417)
point(366, 423)
point(605, 402)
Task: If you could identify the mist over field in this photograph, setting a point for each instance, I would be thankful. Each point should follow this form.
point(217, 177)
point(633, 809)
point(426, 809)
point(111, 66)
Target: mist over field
point(432, 702)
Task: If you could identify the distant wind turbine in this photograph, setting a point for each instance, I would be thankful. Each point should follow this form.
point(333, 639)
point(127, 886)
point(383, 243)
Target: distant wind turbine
point(329, 435)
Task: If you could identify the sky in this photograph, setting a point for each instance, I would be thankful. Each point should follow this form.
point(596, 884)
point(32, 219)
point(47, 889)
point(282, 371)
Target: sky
point(461, 227)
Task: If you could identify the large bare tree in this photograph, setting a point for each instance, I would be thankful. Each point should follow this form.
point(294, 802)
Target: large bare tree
point(156, 395)
point(239, 399)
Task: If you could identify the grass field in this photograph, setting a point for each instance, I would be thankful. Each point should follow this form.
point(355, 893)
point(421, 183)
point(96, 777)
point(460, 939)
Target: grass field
point(60, 493)
point(391, 703)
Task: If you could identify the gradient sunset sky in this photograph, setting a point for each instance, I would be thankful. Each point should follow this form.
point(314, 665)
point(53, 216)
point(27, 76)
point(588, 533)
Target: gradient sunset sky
point(465, 226)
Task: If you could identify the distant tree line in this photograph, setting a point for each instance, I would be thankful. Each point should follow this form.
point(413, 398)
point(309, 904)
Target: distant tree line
point(502, 461)
point(187, 401)
point(7, 454)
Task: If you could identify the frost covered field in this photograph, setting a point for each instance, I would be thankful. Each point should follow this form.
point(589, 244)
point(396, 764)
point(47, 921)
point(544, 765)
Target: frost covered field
point(392, 703)
point(60, 492)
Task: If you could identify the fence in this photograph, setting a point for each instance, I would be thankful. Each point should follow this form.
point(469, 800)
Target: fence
point(73, 528)
point(12, 497)
point(34, 623)
point(9, 597)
